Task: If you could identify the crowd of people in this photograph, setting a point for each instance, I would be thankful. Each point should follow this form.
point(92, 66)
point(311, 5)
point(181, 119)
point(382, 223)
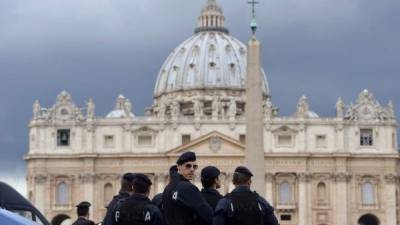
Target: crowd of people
point(182, 203)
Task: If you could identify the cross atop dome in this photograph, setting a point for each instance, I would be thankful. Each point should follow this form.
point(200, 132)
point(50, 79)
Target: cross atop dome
point(211, 18)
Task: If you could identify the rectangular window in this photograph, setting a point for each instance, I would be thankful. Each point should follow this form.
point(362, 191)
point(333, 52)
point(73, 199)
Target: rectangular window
point(185, 139)
point(109, 141)
point(320, 141)
point(242, 138)
point(284, 140)
point(63, 137)
point(145, 140)
point(366, 137)
point(286, 217)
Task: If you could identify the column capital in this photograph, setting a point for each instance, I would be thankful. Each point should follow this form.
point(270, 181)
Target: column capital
point(40, 178)
point(390, 178)
point(269, 177)
point(87, 177)
point(303, 177)
point(342, 177)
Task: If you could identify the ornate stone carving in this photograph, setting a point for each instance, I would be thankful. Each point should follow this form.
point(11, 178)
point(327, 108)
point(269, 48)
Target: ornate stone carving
point(216, 107)
point(232, 109)
point(215, 143)
point(268, 109)
point(36, 109)
point(128, 108)
point(87, 177)
point(63, 109)
point(197, 109)
point(390, 110)
point(162, 108)
point(391, 178)
point(90, 109)
point(175, 109)
point(367, 108)
point(340, 107)
point(342, 177)
point(302, 107)
point(322, 176)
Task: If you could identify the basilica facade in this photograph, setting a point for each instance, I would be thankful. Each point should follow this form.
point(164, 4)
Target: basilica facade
point(339, 170)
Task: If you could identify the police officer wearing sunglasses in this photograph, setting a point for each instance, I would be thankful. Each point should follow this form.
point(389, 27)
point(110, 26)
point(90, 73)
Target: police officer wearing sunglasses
point(182, 202)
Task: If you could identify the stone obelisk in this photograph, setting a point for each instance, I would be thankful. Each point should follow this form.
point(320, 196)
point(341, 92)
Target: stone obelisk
point(254, 114)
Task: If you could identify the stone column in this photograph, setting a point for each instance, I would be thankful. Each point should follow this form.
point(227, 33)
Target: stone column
point(127, 138)
point(269, 195)
point(41, 194)
point(90, 138)
point(222, 181)
point(341, 206)
point(339, 137)
point(161, 182)
point(303, 206)
point(390, 199)
point(87, 187)
point(254, 156)
point(228, 182)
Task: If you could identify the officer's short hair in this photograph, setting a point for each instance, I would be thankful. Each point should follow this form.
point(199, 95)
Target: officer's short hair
point(207, 182)
point(127, 181)
point(240, 178)
point(141, 184)
point(82, 211)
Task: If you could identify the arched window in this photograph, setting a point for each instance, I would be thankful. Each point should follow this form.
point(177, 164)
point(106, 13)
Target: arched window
point(368, 194)
point(321, 193)
point(108, 193)
point(285, 193)
point(62, 194)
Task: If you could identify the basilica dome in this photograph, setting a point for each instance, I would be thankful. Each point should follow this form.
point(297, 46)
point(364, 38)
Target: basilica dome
point(209, 60)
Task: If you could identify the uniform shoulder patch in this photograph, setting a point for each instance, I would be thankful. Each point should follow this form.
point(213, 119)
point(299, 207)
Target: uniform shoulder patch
point(175, 195)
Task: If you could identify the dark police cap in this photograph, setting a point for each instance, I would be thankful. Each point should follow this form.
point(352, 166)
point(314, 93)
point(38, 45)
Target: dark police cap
point(210, 172)
point(243, 170)
point(83, 204)
point(186, 157)
point(140, 177)
point(172, 170)
point(129, 177)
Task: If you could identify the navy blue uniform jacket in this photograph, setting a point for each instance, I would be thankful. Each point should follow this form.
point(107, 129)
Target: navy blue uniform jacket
point(221, 211)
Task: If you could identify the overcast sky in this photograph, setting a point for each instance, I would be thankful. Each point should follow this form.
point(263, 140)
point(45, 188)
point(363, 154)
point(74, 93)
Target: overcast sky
point(99, 48)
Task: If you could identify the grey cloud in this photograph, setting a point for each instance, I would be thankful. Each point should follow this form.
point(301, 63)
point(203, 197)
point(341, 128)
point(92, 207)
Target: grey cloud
point(322, 48)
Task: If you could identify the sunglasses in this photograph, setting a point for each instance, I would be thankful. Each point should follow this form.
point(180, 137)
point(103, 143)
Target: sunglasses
point(189, 166)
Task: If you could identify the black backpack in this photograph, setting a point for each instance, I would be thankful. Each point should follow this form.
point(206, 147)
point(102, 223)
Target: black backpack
point(244, 209)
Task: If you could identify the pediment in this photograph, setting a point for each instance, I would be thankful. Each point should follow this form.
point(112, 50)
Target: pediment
point(285, 129)
point(211, 144)
point(146, 129)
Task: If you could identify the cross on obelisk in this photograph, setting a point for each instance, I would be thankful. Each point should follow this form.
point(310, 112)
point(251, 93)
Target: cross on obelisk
point(253, 4)
point(253, 23)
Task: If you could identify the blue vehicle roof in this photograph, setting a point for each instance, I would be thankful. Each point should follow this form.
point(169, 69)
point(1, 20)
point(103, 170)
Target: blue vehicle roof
point(8, 218)
point(9, 195)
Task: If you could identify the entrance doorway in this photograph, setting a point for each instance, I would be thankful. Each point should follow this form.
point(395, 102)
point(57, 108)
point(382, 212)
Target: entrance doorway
point(61, 219)
point(368, 219)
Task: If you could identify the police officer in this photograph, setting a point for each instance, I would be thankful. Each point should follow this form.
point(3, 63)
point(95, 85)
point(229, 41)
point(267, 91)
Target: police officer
point(182, 201)
point(138, 209)
point(125, 191)
point(242, 206)
point(83, 214)
point(210, 181)
point(157, 199)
